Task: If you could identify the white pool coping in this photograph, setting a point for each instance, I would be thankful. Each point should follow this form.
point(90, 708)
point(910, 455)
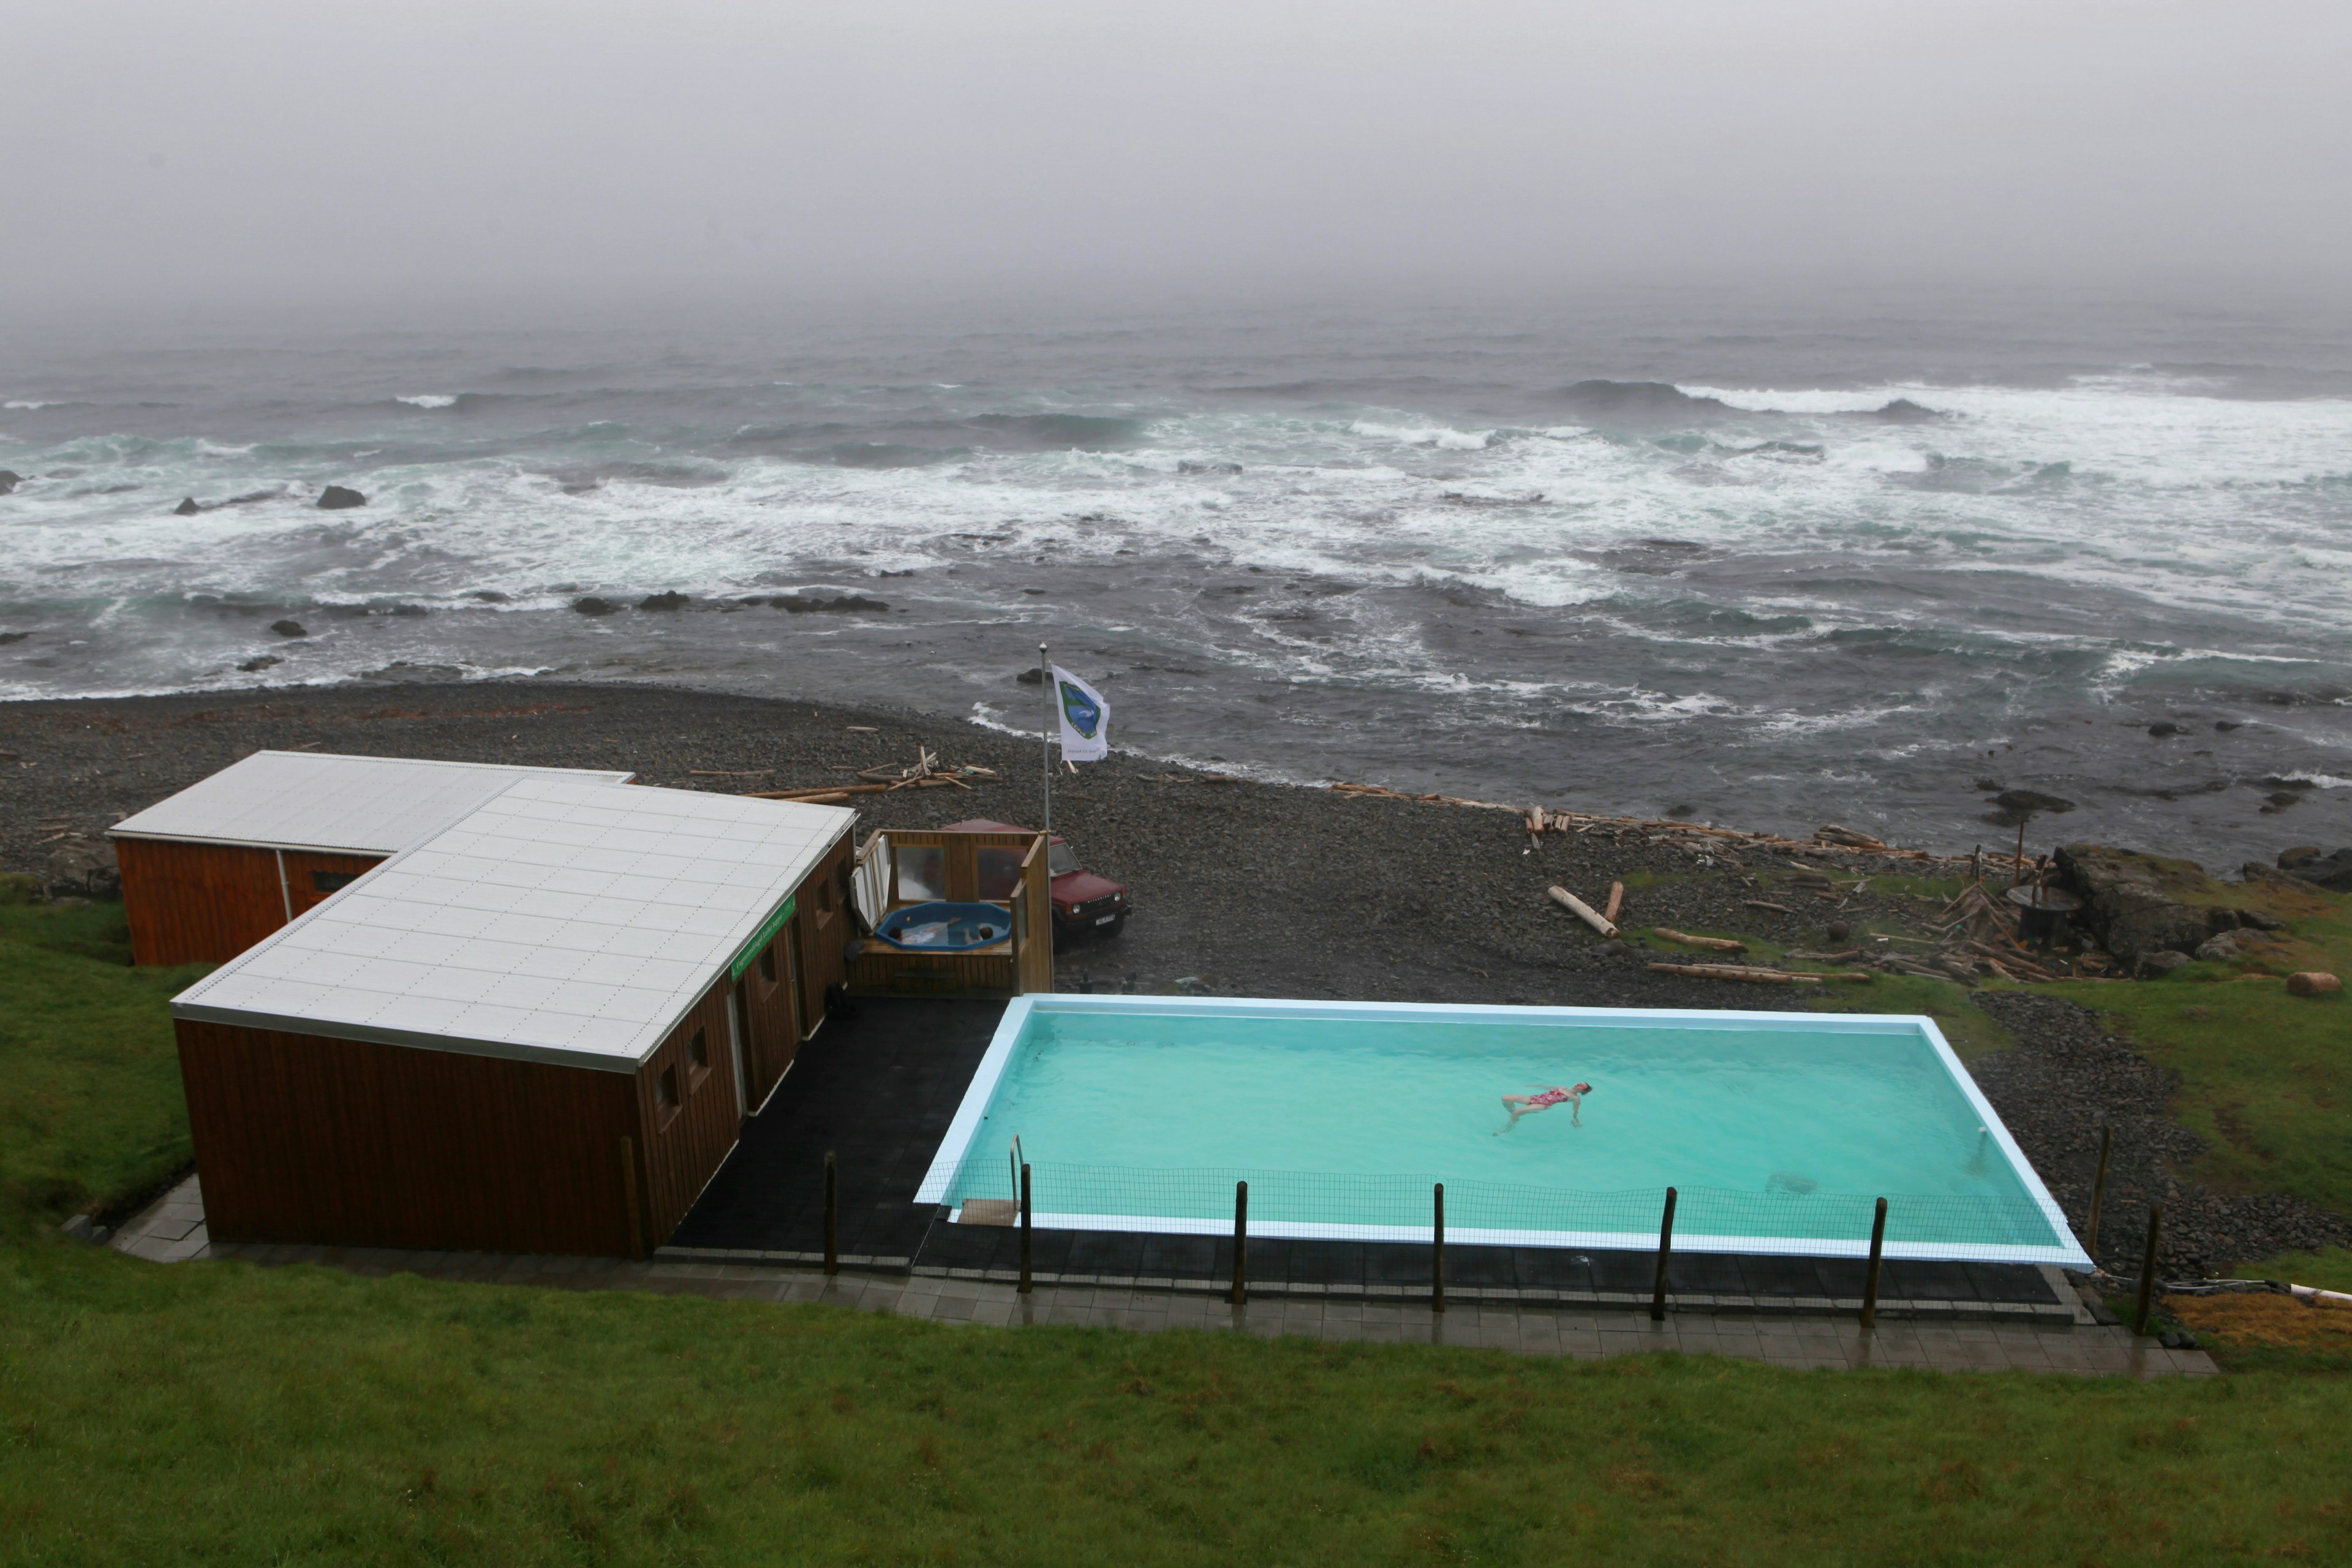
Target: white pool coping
point(956, 1147)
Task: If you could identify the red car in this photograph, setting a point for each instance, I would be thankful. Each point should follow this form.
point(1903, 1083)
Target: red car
point(1084, 903)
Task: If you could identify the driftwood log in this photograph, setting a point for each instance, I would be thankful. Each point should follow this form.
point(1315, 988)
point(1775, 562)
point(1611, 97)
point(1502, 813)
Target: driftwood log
point(1616, 902)
point(1743, 972)
point(1716, 943)
point(1583, 911)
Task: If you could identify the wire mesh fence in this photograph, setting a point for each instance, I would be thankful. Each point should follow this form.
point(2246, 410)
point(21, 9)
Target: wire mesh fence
point(1397, 1207)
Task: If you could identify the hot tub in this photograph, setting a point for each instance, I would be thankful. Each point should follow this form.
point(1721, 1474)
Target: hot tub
point(942, 927)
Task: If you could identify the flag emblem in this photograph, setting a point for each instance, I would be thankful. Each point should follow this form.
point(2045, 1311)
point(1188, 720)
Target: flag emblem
point(1084, 719)
point(1083, 713)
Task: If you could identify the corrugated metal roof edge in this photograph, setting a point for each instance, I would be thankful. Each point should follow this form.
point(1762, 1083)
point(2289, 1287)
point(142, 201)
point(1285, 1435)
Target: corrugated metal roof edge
point(602, 776)
point(457, 1045)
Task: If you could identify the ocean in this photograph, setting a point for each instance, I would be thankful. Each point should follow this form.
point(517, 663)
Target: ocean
point(1873, 560)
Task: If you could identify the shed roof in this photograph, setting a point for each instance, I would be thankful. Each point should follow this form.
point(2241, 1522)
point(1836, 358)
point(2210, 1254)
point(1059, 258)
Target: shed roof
point(562, 921)
point(312, 800)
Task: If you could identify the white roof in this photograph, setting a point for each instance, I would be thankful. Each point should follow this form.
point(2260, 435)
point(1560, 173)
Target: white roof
point(312, 800)
point(563, 920)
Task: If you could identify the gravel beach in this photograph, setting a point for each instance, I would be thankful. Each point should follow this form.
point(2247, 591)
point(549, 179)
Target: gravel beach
point(1240, 889)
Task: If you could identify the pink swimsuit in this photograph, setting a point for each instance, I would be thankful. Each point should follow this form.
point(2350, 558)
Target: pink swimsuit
point(1549, 1096)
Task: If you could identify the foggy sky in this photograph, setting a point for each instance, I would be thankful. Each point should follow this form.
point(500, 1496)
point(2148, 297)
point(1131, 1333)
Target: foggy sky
point(247, 151)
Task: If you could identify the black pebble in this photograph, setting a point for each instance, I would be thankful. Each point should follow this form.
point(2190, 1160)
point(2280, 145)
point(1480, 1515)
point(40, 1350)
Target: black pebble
point(2162, 728)
point(589, 604)
point(339, 499)
point(288, 628)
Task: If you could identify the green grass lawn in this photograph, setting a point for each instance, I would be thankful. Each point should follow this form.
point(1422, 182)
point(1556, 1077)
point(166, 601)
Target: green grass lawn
point(226, 1414)
point(2265, 1077)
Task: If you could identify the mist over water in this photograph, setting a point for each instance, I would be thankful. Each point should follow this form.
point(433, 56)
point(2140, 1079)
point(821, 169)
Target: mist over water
point(1647, 552)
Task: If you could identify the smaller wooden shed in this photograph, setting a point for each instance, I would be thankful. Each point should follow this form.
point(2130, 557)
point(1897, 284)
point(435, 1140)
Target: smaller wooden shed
point(211, 871)
point(539, 1030)
point(898, 869)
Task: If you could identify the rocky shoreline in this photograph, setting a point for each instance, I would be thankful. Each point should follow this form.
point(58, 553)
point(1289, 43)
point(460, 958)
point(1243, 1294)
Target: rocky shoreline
point(1240, 889)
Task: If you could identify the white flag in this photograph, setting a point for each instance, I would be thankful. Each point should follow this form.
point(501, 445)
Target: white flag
point(1085, 719)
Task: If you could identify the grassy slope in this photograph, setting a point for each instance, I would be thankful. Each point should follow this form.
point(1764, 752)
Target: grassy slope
point(90, 1108)
point(2265, 1077)
point(238, 1415)
point(229, 1414)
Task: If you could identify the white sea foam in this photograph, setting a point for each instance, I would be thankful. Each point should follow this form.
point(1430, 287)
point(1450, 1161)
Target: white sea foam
point(428, 400)
point(1443, 438)
point(25, 403)
point(2324, 781)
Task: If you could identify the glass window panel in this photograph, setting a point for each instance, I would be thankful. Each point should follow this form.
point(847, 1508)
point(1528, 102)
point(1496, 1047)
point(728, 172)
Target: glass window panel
point(922, 873)
point(1000, 872)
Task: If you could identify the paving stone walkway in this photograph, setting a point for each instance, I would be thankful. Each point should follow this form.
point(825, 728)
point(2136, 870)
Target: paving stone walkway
point(172, 1231)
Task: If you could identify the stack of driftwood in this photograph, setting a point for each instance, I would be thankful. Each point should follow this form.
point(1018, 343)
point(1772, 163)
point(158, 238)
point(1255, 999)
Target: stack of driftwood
point(1695, 837)
point(924, 772)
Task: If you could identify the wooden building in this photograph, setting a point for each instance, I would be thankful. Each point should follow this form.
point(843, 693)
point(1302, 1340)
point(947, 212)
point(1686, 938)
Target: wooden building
point(897, 869)
point(537, 1030)
point(209, 871)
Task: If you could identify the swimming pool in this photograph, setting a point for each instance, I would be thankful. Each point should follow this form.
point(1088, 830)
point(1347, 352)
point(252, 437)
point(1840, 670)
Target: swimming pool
point(1779, 1130)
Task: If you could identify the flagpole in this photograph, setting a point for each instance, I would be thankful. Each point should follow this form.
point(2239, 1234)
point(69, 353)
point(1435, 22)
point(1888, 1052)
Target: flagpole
point(1046, 737)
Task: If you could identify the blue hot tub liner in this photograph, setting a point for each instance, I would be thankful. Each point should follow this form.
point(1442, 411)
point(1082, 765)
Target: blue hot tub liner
point(943, 927)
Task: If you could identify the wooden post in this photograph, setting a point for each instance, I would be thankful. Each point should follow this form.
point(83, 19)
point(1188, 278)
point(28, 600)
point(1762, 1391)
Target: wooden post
point(1437, 1255)
point(1241, 1243)
point(832, 1214)
point(1616, 903)
point(1027, 1221)
point(2099, 1197)
point(1665, 1253)
point(629, 1182)
point(2148, 1269)
point(1877, 1253)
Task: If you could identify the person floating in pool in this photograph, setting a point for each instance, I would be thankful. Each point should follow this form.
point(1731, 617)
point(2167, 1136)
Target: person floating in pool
point(1544, 1099)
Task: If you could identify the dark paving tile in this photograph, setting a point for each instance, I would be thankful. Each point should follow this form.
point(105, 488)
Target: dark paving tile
point(878, 1089)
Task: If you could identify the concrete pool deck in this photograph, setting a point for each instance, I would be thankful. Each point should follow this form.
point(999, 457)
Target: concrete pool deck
point(172, 1231)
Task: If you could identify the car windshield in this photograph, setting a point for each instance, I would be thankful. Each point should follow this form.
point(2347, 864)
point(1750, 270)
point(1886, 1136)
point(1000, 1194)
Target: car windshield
point(1061, 860)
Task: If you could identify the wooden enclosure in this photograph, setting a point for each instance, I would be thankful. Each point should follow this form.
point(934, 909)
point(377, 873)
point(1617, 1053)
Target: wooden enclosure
point(895, 869)
point(192, 902)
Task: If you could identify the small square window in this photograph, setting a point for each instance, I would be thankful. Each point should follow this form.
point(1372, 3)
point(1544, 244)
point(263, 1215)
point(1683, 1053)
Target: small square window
point(665, 1092)
point(697, 1051)
point(333, 881)
point(768, 964)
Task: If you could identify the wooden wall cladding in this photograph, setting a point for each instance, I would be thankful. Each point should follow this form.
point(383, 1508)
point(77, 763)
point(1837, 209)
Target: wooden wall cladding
point(771, 1016)
point(822, 927)
point(683, 1146)
point(300, 1138)
point(882, 970)
point(197, 903)
point(206, 903)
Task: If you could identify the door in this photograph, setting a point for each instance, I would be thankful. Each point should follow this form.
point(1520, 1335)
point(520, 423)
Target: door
point(821, 925)
point(769, 1001)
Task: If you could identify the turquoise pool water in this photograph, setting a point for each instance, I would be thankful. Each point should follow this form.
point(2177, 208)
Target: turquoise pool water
point(1783, 1128)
